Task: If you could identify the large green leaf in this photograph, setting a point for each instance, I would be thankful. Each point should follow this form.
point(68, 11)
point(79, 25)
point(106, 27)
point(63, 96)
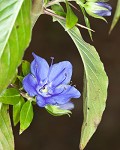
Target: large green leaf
point(6, 135)
point(15, 33)
point(95, 86)
point(116, 16)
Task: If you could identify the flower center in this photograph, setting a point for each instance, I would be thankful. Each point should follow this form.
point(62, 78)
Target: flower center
point(44, 90)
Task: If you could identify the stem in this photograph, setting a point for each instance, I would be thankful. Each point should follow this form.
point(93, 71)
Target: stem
point(51, 13)
point(55, 2)
point(37, 10)
point(23, 94)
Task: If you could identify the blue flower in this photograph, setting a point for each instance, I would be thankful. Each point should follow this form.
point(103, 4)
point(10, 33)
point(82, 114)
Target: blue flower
point(104, 9)
point(98, 9)
point(50, 84)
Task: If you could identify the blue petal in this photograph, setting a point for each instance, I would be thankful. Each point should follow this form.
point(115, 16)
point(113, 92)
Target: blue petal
point(60, 73)
point(68, 106)
point(43, 101)
point(39, 68)
point(50, 101)
point(103, 12)
point(68, 93)
point(29, 84)
point(105, 5)
point(40, 101)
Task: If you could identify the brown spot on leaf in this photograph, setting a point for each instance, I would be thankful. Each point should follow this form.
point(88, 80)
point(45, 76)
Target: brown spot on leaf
point(8, 110)
point(81, 147)
point(96, 123)
point(17, 26)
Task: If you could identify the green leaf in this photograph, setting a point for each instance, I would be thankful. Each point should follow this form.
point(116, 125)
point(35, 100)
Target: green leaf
point(95, 86)
point(26, 116)
point(116, 16)
point(87, 22)
point(71, 18)
point(16, 111)
point(56, 111)
point(6, 135)
point(58, 9)
point(25, 67)
point(20, 78)
point(15, 34)
point(10, 96)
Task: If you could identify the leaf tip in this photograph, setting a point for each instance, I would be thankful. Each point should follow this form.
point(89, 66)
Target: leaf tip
point(81, 147)
point(21, 131)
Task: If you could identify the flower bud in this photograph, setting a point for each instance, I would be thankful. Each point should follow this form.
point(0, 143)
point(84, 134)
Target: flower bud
point(98, 9)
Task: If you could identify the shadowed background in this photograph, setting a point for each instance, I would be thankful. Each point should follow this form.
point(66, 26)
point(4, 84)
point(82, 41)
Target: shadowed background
point(63, 133)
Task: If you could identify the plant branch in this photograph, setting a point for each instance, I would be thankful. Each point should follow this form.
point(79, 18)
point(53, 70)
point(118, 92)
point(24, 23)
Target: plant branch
point(55, 2)
point(51, 13)
point(37, 10)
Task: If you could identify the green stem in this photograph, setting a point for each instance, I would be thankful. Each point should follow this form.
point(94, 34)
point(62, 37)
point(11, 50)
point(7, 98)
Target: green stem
point(37, 10)
point(55, 2)
point(23, 94)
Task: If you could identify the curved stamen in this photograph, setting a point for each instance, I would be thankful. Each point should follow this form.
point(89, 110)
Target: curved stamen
point(52, 58)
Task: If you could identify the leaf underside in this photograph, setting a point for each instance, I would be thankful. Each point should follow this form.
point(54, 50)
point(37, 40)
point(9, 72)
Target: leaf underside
point(95, 86)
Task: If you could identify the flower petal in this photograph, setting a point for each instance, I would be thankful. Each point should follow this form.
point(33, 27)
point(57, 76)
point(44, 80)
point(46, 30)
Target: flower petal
point(43, 101)
point(68, 106)
point(68, 93)
point(105, 5)
point(40, 101)
point(29, 84)
point(60, 73)
point(39, 67)
point(103, 12)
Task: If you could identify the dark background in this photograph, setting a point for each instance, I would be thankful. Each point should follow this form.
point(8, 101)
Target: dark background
point(63, 133)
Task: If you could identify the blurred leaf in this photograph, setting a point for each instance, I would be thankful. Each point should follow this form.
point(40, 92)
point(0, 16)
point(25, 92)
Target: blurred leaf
point(26, 116)
point(16, 111)
point(25, 67)
point(95, 86)
point(15, 34)
point(71, 18)
point(6, 135)
point(116, 16)
point(10, 96)
point(56, 111)
point(20, 78)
